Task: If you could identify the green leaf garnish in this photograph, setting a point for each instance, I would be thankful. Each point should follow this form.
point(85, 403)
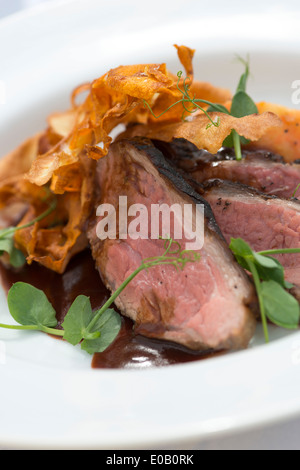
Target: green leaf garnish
point(242, 105)
point(276, 304)
point(94, 330)
point(109, 324)
point(281, 309)
point(30, 307)
point(77, 320)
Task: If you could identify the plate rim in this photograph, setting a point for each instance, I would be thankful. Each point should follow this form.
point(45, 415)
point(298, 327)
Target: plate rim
point(215, 429)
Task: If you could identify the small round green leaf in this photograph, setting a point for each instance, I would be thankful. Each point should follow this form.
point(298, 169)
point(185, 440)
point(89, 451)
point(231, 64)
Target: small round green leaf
point(109, 325)
point(242, 105)
point(281, 308)
point(30, 306)
point(77, 320)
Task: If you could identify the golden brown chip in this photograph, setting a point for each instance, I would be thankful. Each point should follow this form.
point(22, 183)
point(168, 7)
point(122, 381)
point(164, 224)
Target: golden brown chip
point(186, 55)
point(284, 140)
point(20, 160)
point(43, 168)
point(56, 239)
point(54, 247)
point(18, 189)
point(198, 90)
point(138, 81)
point(209, 138)
point(62, 124)
point(68, 178)
point(116, 97)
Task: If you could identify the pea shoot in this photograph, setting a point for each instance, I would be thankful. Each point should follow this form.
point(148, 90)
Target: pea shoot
point(276, 304)
point(242, 105)
point(94, 330)
point(190, 105)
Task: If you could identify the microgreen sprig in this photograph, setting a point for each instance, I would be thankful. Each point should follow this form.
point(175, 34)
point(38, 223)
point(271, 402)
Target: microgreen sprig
point(16, 257)
point(188, 100)
point(276, 303)
point(95, 331)
point(242, 105)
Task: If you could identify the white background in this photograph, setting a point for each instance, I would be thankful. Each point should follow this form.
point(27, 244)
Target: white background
point(286, 435)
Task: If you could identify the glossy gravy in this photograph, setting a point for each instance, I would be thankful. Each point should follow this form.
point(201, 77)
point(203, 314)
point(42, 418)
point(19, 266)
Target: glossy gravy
point(129, 351)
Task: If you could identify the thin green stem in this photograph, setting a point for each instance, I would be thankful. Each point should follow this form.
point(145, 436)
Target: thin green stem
point(294, 193)
point(42, 216)
point(164, 112)
point(256, 280)
point(20, 327)
point(217, 108)
point(113, 297)
point(187, 99)
point(51, 331)
point(281, 251)
point(237, 145)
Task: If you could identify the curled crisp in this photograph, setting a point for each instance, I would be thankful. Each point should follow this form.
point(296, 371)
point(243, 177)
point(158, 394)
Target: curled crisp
point(55, 240)
point(20, 160)
point(283, 140)
point(117, 97)
point(210, 138)
point(186, 55)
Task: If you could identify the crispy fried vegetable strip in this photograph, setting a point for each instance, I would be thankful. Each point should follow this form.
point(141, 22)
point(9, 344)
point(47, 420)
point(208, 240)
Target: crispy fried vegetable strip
point(196, 131)
point(20, 160)
point(199, 90)
point(53, 247)
point(55, 240)
point(110, 99)
point(186, 55)
point(284, 140)
point(116, 97)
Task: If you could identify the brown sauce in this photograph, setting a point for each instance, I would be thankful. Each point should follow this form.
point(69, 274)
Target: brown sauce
point(129, 351)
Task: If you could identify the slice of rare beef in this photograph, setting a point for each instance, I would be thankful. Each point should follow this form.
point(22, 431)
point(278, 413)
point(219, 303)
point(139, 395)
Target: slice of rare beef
point(207, 306)
point(265, 222)
point(260, 169)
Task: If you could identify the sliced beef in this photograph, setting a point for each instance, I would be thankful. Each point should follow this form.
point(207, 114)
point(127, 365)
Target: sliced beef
point(205, 306)
point(265, 222)
point(260, 169)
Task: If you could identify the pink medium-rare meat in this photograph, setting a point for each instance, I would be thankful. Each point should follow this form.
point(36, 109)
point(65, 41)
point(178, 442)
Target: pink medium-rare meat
point(265, 222)
point(259, 169)
point(207, 306)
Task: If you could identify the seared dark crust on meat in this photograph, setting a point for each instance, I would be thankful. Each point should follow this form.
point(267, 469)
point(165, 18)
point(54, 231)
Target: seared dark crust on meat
point(238, 189)
point(181, 149)
point(173, 176)
point(261, 169)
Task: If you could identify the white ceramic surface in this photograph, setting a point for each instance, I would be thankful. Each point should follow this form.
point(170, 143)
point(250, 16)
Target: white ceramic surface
point(50, 397)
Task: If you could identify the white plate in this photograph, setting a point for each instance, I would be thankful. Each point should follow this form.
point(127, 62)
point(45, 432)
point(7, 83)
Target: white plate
point(50, 396)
